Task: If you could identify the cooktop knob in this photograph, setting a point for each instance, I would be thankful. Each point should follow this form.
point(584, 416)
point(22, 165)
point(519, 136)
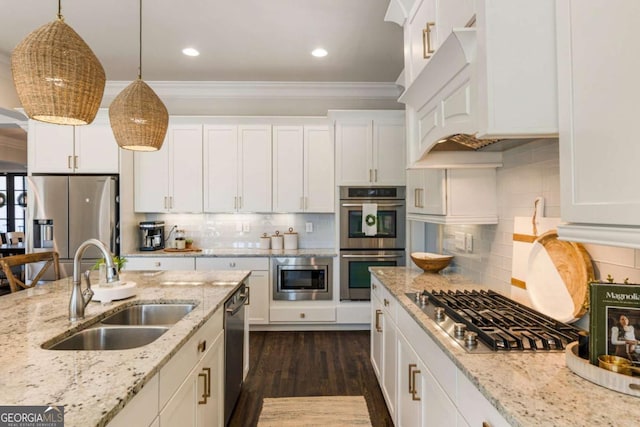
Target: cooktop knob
point(459, 330)
point(439, 314)
point(470, 339)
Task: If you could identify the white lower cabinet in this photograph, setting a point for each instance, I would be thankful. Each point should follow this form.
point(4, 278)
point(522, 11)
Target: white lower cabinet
point(159, 263)
point(198, 399)
point(383, 344)
point(142, 410)
point(420, 384)
point(258, 283)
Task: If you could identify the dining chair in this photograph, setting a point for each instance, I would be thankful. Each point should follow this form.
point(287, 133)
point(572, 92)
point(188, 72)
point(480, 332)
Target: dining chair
point(15, 237)
point(9, 264)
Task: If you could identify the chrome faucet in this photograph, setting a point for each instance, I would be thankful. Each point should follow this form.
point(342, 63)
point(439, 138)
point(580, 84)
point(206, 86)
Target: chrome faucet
point(79, 298)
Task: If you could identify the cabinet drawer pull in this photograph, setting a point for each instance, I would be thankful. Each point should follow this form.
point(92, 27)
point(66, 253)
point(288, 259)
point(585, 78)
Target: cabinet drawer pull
point(204, 394)
point(386, 302)
point(232, 264)
point(202, 346)
point(427, 50)
point(157, 263)
point(302, 315)
point(378, 314)
point(373, 286)
point(485, 424)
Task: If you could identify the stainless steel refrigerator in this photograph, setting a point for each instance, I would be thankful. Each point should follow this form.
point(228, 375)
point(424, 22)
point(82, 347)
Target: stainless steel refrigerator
point(64, 211)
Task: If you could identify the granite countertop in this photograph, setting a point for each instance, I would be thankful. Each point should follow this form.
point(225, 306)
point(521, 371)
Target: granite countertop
point(239, 252)
point(93, 386)
point(528, 389)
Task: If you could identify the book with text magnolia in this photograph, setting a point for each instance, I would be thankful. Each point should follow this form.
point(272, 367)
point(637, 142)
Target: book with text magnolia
point(614, 322)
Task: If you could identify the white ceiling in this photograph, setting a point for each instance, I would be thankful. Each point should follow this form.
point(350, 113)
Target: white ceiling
point(239, 40)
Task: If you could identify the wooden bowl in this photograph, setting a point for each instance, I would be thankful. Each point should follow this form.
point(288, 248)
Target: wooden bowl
point(431, 263)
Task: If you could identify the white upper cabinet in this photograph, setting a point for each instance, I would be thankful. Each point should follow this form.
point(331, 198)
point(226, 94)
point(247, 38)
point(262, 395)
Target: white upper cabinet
point(72, 149)
point(495, 79)
point(170, 179)
point(452, 196)
point(429, 23)
point(370, 147)
point(598, 112)
point(237, 168)
point(303, 168)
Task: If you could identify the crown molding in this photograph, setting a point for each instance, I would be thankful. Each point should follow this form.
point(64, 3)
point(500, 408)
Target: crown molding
point(264, 90)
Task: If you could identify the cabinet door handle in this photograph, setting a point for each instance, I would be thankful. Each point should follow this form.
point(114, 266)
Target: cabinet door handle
point(412, 380)
point(306, 203)
point(248, 295)
point(375, 175)
point(370, 175)
point(171, 202)
point(421, 197)
point(378, 314)
point(204, 394)
point(69, 162)
point(302, 203)
point(75, 162)
point(235, 202)
point(207, 390)
point(427, 50)
point(239, 202)
point(415, 198)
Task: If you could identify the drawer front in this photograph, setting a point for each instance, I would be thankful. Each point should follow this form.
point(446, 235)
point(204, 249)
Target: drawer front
point(302, 314)
point(240, 263)
point(160, 263)
point(389, 304)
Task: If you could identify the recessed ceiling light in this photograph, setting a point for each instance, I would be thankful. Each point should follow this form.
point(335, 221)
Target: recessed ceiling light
point(319, 52)
point(189, 51)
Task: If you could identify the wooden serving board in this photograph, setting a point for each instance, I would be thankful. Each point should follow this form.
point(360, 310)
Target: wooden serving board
point(192, 249)
point(558, 277)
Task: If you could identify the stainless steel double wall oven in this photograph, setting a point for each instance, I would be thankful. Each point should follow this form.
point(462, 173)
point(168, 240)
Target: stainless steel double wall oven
point(359, 251)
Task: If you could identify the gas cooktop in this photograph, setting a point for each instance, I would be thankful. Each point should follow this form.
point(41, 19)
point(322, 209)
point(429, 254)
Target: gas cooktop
point(485, 322)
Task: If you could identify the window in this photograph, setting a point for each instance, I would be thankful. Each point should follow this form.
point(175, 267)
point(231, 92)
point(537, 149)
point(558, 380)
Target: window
point(13, 202)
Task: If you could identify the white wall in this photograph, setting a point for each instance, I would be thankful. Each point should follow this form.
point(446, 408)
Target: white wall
point(529, 171)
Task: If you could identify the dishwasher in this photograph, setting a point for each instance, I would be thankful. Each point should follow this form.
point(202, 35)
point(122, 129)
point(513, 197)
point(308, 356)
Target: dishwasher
point(234, 316)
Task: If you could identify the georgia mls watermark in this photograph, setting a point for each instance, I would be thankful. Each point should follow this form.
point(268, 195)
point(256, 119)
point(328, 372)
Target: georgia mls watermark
point(31, 416)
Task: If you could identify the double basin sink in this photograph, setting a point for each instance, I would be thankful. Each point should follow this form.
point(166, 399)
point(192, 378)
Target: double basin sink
point(129, 327)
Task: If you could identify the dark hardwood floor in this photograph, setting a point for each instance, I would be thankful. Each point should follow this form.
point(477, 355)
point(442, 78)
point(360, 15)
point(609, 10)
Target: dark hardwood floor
point(318, 363)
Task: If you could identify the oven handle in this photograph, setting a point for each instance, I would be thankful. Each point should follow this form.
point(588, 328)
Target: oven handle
point(372, 256)
point(380, 205)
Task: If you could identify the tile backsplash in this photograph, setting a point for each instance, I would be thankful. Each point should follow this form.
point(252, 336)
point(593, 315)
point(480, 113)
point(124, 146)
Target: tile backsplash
point(244, 230)
point(529, 171)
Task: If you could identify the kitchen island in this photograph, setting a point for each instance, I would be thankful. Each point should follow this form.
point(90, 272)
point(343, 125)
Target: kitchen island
point(526, 388)
point(94, 386)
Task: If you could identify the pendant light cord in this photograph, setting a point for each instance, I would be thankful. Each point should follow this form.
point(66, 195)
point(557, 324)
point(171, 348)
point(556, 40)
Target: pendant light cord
point(59, 9)
point(140, 45)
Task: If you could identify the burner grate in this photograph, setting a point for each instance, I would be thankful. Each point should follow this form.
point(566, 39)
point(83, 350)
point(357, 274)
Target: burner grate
point(500, 323)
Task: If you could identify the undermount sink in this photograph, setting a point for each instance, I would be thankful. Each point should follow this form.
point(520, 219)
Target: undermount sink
point(130, 327)
point(149, 314)
point(109, 338)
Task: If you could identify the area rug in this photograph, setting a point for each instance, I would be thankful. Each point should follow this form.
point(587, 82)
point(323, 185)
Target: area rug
point(314, 411)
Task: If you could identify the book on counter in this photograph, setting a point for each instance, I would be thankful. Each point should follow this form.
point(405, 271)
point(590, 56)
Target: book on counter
point(614, 322)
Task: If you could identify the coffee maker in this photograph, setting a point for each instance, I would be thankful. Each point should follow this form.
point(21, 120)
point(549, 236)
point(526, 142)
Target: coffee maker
point(151, 235)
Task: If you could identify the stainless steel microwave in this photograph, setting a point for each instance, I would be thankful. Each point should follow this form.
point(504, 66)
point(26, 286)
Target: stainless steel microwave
point(302, 278)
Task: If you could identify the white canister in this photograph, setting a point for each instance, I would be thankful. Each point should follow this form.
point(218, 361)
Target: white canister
point(265, 241)
point(291, 240)
point(277, 241)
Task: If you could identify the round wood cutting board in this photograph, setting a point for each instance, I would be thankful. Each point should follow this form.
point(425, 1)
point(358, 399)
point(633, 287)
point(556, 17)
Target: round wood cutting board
point(558, 277)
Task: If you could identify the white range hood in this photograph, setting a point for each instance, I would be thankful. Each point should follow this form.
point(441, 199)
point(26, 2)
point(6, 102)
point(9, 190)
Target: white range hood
point(494, 81)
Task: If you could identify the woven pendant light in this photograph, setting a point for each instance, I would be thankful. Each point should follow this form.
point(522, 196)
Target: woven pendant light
point(57, 77)
point(138, 117)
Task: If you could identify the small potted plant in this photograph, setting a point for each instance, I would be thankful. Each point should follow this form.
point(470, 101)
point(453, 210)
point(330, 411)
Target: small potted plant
point(188, 243)
point(118, 261)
